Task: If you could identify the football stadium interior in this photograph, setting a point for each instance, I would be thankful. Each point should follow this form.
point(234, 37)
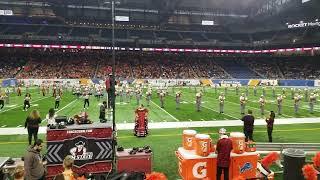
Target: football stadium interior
point(160, 89)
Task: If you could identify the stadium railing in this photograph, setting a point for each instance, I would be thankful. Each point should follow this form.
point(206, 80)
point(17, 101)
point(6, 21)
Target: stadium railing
point(309, 148)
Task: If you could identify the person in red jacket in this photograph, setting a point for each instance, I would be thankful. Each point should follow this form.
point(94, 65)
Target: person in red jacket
point(223, 149)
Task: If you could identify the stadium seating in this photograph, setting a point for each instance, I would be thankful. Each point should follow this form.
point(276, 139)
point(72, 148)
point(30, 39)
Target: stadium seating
point(236, 68)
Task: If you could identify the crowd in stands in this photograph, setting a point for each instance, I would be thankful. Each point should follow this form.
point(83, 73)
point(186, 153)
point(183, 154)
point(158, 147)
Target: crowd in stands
point(266, 68)
point(10, 63)
point(49, 63)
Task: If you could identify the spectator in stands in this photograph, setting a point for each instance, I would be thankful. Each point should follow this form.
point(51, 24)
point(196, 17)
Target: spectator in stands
point(32, 124)
point(34, 169)
point(270, 122)
point(248, 125)
point(67, 174)
point(18, 173)
point(223, 149)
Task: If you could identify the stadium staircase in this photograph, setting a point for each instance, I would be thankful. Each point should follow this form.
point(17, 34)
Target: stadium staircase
point(309, 148)
point(237, 69)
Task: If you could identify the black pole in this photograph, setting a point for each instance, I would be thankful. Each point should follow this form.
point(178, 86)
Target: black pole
point(113, 79)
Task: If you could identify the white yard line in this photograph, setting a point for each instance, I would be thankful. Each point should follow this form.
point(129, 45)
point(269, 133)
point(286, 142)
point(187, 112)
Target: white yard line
point(67, 105)
point(22, 105)
point(183, 124)
point(165, 111)
point(222, 114)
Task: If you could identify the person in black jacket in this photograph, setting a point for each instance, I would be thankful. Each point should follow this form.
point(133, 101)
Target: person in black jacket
point(270, 122)
point(32, 124)
point(248, 125)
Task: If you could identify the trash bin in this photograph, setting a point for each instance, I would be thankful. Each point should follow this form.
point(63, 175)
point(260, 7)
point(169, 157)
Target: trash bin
point(294, 159)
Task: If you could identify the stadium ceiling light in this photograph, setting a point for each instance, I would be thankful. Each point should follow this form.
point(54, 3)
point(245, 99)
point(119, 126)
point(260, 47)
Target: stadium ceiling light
point(317, 20)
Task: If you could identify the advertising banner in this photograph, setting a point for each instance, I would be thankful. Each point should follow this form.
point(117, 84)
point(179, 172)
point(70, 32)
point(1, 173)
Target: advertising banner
point(89, 145)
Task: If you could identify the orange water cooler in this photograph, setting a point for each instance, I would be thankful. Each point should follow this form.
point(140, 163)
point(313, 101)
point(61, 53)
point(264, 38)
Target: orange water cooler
point(195, 167)
point(244, 164)
point(188, 139)
point(238, 142)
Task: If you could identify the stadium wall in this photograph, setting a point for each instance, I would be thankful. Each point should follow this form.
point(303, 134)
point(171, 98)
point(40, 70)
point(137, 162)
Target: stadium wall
point(281, 82)
point(317, 83)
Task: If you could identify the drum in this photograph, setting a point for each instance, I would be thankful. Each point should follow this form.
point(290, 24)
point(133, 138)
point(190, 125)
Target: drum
point(188, 139)
point(238, 142)
point(202, 145)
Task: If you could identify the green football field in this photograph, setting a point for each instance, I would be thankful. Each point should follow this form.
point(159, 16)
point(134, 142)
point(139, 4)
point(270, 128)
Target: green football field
point(165, 142)
point(13, 116)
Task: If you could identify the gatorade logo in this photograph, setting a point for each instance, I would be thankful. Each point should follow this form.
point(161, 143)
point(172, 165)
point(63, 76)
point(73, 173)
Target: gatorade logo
point(240, 145)
point(204, 146)
point(189, 142)
point(199, 170)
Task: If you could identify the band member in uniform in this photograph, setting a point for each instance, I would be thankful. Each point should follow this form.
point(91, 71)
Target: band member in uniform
point(7, 95)
point(297, 99)
point(279, 103)
point(262, 103)
point(26, 104)
point(247, 91)
point(292, 92)
point(284, 91)
point(138, 96)
point(54, 91)
point(57, 103)
point(161, 95)
point(273, 91)
point(237, 89)
point(27, 88)
point(128, 95)
point(43, 90)
point(243, 101)
point(148, 97)
point(264, 91)
point(255, 90)
point(215, 88)
point(98, 93)
point(86, 100)
point(198, 101)
point(2, 96)
point(121, 93)
point(19, 91)
point(178, 99)
point(221, 102)
point(306, 94)
point(60, 90)
point(78, 92)
point(312, 101)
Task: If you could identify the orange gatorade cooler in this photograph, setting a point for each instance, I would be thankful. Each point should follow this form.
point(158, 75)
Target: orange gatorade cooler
point(238, 142)
point(244, 164)
point(202, 144)
point(188, 139)
point(194, 167)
